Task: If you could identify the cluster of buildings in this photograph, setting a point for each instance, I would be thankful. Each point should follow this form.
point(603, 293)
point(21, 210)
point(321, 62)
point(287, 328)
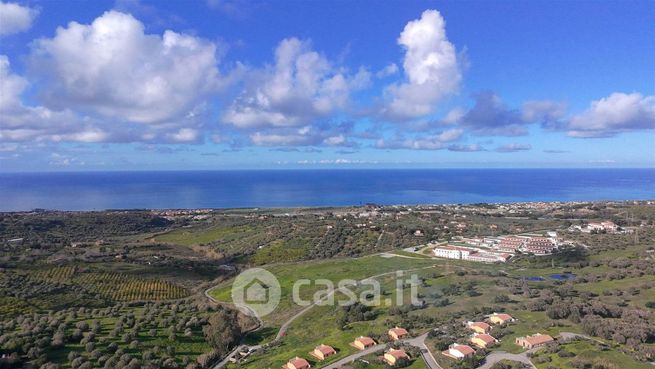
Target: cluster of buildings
point(469, 253)
point(173, 214)
point(482, 338)
point(497, 249)
point(323, 352)
point(606, 226)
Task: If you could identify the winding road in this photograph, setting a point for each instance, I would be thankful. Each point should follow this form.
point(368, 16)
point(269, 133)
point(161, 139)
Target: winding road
point(418, 342)
point(284, 327)
point(497, 356)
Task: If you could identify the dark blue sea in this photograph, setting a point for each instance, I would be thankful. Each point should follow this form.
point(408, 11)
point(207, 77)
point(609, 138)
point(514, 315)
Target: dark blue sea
point(297, 188)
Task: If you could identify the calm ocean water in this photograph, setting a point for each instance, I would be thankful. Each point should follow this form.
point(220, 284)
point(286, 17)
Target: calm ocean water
point(293, 188)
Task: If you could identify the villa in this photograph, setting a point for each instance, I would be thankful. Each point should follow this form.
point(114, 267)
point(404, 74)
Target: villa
point(478, 327)
point(392, 356)
point(297, 363)
point(607, 226)
point(322, 352)
point(459, 352)
point(483, 340)
point(536, 340)
point(496, 318)
point(362, 343)
point(398, 333)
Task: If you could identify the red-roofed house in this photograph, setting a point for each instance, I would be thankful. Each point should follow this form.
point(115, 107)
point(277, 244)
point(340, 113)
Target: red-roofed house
point(363, 342)
point(496, 318)
point(459, 352)
point(322, 352)
point(392, 356)
point(398, 333)
point(533, 341)
point(297, 363)
point(483, 340)
point(478, 327)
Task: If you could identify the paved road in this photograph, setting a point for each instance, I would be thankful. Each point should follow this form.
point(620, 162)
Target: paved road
point(351, 358)
point(245, 310)
point(226, 360)
point(285, 325)
point(497, 356)
point(426, 354)
point(418, 342)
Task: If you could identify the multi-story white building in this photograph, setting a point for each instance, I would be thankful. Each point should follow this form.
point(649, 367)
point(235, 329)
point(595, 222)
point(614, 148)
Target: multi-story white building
point(451, 252)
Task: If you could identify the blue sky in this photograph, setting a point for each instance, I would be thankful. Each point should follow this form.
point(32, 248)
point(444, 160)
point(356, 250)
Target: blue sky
point(228, 84)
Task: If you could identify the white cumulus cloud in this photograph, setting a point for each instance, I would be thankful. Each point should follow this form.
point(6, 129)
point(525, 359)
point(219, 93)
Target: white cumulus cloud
point(112, 68)
point(431, 69)
point(22, 123)
point(619, 112)
point(15, 18)
point(428, 142)
point(301, 86)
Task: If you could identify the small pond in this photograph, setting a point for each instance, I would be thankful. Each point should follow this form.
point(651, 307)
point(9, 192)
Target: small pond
point(562, 277)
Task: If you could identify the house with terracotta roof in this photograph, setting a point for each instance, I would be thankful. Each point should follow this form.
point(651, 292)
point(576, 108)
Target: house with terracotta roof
point(322, 352)
point(534, 340)
point(478, 327)
point(496, 318)
point(297, 363)
point(459, 352)
point(483, 340)
point(397, 333)
point(392, 356)
point(363, 342)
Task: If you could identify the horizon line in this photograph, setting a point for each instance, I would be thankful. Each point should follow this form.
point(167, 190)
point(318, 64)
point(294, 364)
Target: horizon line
point(313, 169)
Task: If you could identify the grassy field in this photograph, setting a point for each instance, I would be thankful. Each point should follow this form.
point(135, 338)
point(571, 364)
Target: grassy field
point(319, 324)
point(586, 350)
point(333, 270)
point(203, 235)
point(281, 251)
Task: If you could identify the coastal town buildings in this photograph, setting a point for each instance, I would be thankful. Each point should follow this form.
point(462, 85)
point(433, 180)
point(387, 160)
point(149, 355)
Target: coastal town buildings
point(497, 249)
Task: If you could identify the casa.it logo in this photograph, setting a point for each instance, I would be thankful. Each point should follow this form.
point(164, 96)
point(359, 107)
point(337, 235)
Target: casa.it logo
point(256, 292)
